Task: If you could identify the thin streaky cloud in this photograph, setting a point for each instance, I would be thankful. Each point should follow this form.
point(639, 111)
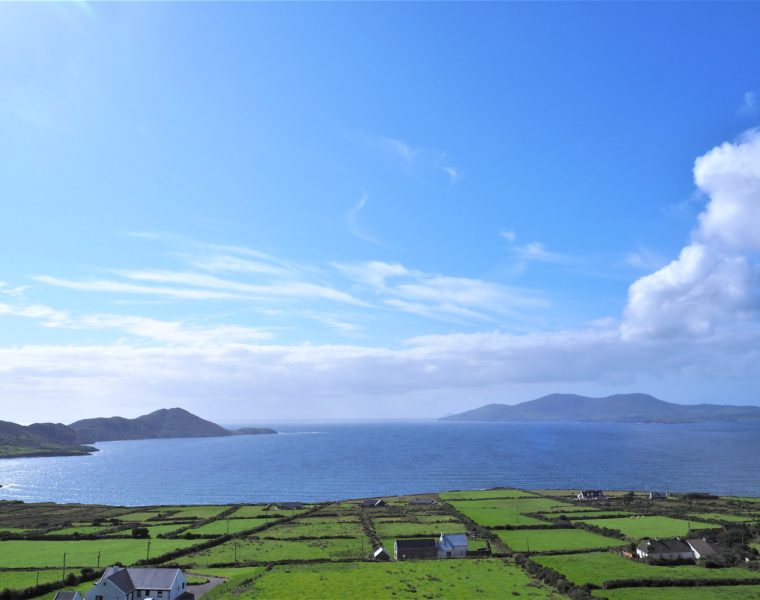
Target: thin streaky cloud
point(352, 218)
point(749, 105)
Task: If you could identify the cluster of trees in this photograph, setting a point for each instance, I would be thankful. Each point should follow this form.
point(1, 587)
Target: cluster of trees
point(72, 579)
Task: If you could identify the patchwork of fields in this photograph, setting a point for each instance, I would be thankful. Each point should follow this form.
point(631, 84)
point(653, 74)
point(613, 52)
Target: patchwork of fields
point(532, 544)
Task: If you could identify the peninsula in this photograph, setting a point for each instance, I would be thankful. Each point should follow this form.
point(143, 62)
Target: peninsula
point(620, 408)
point(57, 439)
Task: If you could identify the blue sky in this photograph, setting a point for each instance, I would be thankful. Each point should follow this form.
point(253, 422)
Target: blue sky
point(269, 211)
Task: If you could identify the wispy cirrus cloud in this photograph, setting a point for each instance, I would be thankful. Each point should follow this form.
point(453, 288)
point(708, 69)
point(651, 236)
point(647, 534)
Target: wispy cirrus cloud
point(439, 296)
point(352, 218)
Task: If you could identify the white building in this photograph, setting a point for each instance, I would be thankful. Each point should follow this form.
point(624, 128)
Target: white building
point(675, 549)
point(118, 583)
point(452, 545)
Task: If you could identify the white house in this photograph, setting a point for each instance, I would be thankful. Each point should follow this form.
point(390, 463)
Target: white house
point(675, 549)
point(119, 583)
point(452, 545)
point(590, 495)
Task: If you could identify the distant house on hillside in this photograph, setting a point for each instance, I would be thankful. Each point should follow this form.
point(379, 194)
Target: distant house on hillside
point(675, 549)
point(658, 495)
point(66, 595)
point(414, 548)
point(422, 502)
point(452, 545)
point(289, 505)
point(591, 495)
point(381, 555)
point(119, 583)
point(373, 503)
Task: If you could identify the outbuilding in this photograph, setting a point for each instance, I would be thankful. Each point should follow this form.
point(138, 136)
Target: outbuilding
point(415, 548)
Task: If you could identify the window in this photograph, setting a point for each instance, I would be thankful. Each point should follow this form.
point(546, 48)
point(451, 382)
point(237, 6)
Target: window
point(98, 597)
point(160, 594)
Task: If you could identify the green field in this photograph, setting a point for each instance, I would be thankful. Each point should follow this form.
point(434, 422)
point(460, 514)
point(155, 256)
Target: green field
point(15, 580)
point(259, 550)
point(84, 553)
point(732, 592)
point(637, 528)
point(598, 567)
point(492, 513)
point(195, 512)
point(544, 540)
point(252, 511)
point(419, 579)
point(315, 528)
point(224, 526)
point(485, 494)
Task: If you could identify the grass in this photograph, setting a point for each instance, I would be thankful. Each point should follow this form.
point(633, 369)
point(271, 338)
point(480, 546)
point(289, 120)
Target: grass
point(82, 553)
point(450, 579)
point(544, 540)
point(724, 518)
point(586, 514)
point(598, 567)
point(649, 527)
point(81, 530)
point(223, 526)
point(252, 511)
point(485, 494)
point(195, 512)
point(497, 512)
point(315, 528)
point(402, 529)
point(732, 592)
point(258, 550)
point(18, 580)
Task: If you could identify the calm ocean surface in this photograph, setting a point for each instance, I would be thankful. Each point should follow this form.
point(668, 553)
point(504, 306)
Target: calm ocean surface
point(309, 462)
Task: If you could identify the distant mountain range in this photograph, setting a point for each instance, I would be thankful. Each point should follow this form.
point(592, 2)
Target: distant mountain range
point(620, 408)
point(56, 439)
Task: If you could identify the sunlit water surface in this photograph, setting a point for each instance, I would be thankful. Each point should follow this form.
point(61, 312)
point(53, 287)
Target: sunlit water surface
point(311, 462)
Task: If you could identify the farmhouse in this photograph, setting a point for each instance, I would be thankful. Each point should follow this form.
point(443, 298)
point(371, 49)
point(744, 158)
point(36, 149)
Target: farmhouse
point(373, 503)
point(422, 501)
point(658, 495)
point(413, 548)
point(675, 549)
point(591, 495)
point(452, 545)
point(118, 583)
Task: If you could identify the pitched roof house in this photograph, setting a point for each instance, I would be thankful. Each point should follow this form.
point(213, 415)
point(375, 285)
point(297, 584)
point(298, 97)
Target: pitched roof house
point(119, 583)
point(422, 501)
point(452, 545)
point(591, 495)
point(373, 503)
point(415, 548)
point(704, 549)
point(676, 549)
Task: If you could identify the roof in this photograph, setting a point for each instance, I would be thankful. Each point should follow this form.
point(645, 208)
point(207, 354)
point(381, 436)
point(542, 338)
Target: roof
point(703, 547)
point(131, 579)
point(373, 502)
point(379, 551)
point(66, 595)
point(454, 539)
point(422, 501)
point(416, 544)
point(664, 546)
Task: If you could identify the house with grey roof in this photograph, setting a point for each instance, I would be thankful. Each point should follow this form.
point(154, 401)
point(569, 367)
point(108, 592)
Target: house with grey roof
point(586, 495)
point(706, 550)
point(452, 545)
point(119, 583)
point(675, 549)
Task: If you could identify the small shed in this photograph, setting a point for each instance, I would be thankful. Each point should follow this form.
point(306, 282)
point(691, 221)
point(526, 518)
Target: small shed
point(415, 548)
point(423, 502)
point(381, 555)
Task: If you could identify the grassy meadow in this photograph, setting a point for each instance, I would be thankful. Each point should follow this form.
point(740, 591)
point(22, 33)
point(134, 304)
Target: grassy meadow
point(527, 544)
